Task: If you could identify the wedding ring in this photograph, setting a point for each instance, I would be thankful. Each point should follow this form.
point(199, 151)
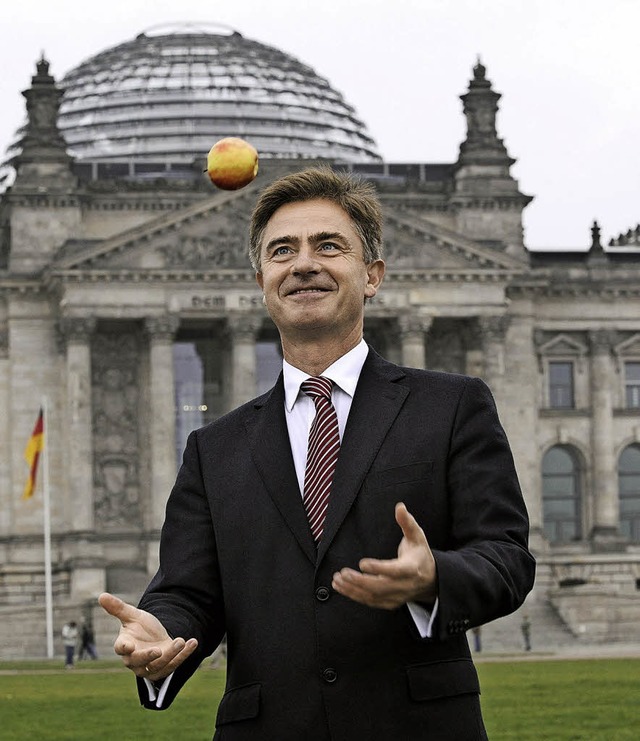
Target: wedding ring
point(146, 669)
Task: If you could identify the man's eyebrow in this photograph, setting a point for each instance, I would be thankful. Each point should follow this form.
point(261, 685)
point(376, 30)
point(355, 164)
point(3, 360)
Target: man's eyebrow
point(315, 238)
point(326, 236)
point(277, 241)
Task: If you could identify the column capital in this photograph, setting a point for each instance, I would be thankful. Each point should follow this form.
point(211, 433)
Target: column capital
point(602, 341)
point(494, 328)
point(244, 326)
point(76, 329)
point(162, 327)
point(410, 324)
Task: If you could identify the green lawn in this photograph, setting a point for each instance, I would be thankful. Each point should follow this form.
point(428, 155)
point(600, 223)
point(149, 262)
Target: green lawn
point(562, 700)
point(543, 700)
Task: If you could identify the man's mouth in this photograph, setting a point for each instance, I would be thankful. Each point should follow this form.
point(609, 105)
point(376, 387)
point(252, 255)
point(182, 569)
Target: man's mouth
point(302, 291)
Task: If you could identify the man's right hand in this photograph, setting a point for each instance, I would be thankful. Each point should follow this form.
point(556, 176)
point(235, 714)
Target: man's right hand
point(144, 644)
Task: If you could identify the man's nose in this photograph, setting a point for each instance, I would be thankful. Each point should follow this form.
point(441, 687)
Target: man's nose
point(305, 262)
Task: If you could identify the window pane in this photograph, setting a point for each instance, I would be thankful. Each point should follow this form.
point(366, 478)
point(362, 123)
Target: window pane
point(561, 385)
point(561, 500)
point(557, 460)
point(632, 372)
point(629, 492)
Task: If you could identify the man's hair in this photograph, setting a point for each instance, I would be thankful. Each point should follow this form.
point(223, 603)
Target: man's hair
point(356, 197)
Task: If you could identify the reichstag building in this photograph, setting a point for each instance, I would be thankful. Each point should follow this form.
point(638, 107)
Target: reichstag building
point(128, 301)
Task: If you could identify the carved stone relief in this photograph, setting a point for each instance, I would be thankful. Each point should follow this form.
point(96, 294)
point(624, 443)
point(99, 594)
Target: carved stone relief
point(210, 245)
point(115, 359)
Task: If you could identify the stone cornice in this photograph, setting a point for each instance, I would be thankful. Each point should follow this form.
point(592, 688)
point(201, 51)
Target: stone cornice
point(21, 285)
point(543, 289)
point(233, 276)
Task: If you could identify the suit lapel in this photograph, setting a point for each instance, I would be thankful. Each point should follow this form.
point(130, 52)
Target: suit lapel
point(376, 404)
point(271, 453)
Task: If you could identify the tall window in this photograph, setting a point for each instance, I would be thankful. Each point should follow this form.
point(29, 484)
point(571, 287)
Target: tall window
point(202, 368)
point(629, 492)
point(561, 496)
point(632, 385)
point(561, 385)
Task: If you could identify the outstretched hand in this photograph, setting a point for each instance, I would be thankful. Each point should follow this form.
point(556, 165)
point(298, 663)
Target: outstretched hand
point(144, 644)
point(388, 584)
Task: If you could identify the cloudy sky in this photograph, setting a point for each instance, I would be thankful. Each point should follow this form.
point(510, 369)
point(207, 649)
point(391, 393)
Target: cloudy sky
point(568, 71)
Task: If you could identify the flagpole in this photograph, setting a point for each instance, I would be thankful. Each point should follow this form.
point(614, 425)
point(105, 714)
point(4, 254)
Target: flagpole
point(47, 528)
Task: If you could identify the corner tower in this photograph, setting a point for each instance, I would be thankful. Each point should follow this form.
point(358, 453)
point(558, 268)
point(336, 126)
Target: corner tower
point(486, 200)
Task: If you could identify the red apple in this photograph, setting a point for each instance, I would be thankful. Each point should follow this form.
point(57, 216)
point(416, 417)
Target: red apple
point(232, 163)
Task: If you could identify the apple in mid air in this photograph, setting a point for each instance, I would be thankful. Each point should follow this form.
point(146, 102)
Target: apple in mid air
point(232, 163)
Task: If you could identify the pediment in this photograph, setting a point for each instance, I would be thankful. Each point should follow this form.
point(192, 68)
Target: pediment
point(209, 234)
point(213, 233)
point(412, 242)
point(562, 345)
point(629, 347)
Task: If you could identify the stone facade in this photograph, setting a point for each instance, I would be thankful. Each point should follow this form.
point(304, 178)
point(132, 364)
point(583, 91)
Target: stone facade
point(104, 283)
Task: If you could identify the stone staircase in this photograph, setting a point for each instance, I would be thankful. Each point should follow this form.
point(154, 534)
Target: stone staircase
point(548, 632)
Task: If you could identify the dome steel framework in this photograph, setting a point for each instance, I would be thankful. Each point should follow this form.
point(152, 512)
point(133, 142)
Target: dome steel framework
point(169, 94)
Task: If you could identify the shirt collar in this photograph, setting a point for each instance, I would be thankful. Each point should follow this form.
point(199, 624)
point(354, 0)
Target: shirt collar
point(345, 373)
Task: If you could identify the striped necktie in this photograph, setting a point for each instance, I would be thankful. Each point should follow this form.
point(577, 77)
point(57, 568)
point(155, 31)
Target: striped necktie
point(322, 453)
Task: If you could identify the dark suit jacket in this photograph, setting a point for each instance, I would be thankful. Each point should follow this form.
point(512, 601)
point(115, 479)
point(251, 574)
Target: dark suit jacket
point(237, 556)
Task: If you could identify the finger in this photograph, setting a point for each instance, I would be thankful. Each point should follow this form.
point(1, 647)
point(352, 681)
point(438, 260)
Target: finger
point(171, 659)
point(393, 568)
point(116, 607)
point(369, 591)
point(410, 528)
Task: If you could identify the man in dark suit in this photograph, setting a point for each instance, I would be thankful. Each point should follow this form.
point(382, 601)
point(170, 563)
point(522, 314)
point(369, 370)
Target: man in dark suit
point(350, 627)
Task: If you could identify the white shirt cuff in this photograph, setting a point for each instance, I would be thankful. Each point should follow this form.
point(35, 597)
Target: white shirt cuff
point(423, 618)
point(158, 697)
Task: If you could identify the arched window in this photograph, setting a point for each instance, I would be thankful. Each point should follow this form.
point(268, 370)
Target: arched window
point(561, 495)
point(629, 492)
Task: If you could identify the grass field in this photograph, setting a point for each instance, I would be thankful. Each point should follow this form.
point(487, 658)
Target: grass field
point(589, 700)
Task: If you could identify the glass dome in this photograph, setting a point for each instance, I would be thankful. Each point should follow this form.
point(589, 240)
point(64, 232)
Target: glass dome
point(169, 94)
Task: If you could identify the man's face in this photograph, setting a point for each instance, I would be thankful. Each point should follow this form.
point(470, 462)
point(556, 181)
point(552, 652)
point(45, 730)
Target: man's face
point(313, 274)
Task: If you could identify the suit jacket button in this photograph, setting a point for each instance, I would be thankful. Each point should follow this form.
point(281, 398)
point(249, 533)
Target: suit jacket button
point(329, 675)
point(322, 594)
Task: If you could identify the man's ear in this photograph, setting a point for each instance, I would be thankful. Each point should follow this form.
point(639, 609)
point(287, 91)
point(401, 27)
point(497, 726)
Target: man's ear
point(375, 274)
point(259, 279)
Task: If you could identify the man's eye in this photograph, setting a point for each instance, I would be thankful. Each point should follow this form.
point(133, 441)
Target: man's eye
point(281, 251)
point(328, 246)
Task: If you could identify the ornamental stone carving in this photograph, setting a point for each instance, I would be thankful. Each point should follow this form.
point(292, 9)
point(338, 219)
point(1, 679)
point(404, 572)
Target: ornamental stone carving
point(115, 360)
point(162, 327)
point(76, 329)
point(244, 326)
point(602, 341)
point(410, 324)
point(494, 328)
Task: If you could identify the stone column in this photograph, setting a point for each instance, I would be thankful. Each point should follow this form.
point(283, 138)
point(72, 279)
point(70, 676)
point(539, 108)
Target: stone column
point(493, 330)
point(162, 414)
point(243, 330)
point(412, 339)
point(77, 332)
point(605, 513)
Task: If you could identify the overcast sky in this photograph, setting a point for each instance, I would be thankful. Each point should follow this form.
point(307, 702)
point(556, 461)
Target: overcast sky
point(568, 70)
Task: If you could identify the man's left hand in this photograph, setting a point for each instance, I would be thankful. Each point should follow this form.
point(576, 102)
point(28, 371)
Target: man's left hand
point(388, 584)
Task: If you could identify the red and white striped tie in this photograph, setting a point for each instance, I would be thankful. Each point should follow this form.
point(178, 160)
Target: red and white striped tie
point(322, 453)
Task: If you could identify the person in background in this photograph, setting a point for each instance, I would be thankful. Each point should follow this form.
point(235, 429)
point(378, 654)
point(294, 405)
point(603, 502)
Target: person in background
point(69, 640)
point(346, 528)
point(87, 641)
point(525, 626)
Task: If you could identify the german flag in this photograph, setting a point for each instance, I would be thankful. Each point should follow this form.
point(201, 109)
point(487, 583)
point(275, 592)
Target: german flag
point(32, 455)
